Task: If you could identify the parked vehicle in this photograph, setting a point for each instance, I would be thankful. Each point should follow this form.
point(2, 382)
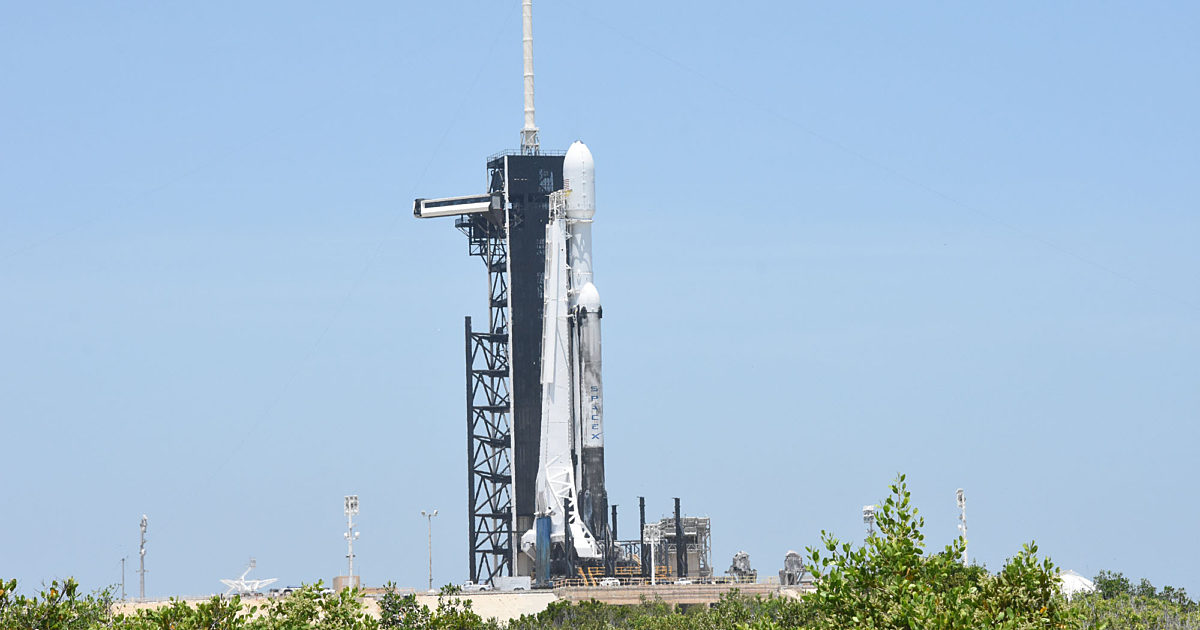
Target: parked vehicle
point(515, 583)
point(610, 581)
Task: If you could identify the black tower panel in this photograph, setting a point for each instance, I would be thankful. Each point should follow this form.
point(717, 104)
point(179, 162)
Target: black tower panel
point(530, 179)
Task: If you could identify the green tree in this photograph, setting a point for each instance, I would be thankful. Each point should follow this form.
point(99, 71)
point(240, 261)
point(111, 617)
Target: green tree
point(402, 611)
point(61, 607)
point(891, 583)
point(217, 613)
point(453, 611)
point(312, 608)
point(1132, 612)
point(1112, 584)
point(1177, 596)
point(1117, 604)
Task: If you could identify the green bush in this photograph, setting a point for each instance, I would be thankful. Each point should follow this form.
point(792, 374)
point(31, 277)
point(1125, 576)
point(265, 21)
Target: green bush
point(60, 607)
point(1118, 605)
point(453, 613)
point(891, 583)
point(216, 613)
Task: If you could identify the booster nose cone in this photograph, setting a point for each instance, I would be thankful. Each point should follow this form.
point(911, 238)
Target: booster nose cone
point(579, 176)
point(589, 298)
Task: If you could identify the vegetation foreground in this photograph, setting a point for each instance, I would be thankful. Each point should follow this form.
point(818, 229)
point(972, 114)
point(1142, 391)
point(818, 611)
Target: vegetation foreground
point(890, 582)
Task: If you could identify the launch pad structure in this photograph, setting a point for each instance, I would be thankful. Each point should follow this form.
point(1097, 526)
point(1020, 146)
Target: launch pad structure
point(503, 389)
point(504, 359)
point(536, 498)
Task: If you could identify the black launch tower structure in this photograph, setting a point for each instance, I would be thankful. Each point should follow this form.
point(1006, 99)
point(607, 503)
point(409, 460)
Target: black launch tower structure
point(503, 361)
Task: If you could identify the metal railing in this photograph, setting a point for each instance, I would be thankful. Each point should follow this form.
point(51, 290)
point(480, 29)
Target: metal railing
point(517, 152)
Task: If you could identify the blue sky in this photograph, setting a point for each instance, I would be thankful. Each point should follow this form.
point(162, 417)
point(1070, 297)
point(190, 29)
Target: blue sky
point(834, 242)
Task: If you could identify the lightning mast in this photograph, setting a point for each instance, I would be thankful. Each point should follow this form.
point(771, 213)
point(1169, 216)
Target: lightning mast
point(529, 133)
point(142, 561)
point(962, 521)
point(351, 535)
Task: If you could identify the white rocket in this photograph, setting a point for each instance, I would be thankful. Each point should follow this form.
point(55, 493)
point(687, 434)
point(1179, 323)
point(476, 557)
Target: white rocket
point(570, 483)
point(579, 179)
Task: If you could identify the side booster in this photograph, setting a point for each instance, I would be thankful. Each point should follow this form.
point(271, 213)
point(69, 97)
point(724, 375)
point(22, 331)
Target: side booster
point(572, 503)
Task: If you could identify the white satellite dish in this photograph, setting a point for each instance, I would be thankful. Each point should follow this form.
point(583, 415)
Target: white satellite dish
point(242, 586)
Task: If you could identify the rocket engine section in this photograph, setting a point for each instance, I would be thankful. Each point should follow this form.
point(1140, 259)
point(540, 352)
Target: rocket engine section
point(571, 492)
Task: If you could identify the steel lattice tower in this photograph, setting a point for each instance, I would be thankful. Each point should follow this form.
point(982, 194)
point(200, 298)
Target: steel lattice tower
point(506, 229)
point(489, 462)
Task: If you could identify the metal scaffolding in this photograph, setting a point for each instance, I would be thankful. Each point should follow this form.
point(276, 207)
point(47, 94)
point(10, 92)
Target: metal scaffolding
point(697, 541)
point(489, 403)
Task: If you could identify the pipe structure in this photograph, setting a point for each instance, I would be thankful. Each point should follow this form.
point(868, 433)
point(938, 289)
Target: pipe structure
point(569, 557)
point(472, 569)
point(541, 565)
point(642, 536)
point(680, 544)
point(610, 563)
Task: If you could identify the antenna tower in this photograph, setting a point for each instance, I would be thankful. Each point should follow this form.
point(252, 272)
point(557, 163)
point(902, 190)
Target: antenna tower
point(962, 521)
point(142, 561)
point(351, 535)
point(869, 519)
point(529, 133)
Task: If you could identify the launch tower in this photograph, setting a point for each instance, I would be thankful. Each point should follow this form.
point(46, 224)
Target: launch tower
point(506, 227)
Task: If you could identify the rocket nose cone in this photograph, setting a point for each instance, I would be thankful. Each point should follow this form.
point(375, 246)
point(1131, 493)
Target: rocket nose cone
point(579, 154)
point(589, 297)
point(579, 176)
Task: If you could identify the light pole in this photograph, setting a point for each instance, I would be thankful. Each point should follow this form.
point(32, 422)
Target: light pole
point(652, 534)
point(429, 517)
point(122, 579)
